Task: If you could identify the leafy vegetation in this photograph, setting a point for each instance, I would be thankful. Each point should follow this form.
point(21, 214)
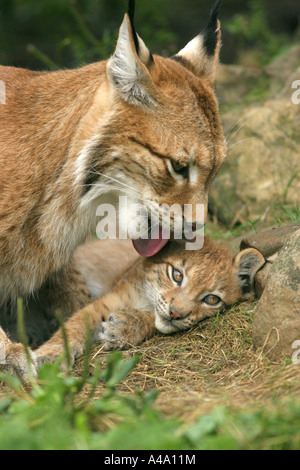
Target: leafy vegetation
point(56, 33)
point(53, 415)
point(214, 389)
point(89, 408)
point(253, 28)
point(69, 33)
point(50, 416)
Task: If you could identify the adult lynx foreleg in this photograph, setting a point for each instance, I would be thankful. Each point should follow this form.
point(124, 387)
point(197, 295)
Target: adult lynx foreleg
point(65, 291)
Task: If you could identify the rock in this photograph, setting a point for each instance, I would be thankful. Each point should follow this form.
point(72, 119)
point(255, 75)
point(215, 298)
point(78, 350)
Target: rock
point(276, 323)
point(287, 89)
point(263, 164)
point(237, 85)
point(280, 70)
point(233, 83)
point(270, 241)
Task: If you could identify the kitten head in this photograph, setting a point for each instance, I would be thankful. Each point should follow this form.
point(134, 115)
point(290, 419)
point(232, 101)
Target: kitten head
point(186, 287)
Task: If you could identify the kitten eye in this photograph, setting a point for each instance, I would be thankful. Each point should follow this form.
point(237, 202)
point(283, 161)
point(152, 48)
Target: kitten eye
point(180, 168)
point(212, 300)
point(177, 276)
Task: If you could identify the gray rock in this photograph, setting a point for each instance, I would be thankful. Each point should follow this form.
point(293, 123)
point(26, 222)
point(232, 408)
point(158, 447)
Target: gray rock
point(263, 164)
point(269, 241)
point(233, 83)
point(276, 323)
point(280, 70)
point(263, 134)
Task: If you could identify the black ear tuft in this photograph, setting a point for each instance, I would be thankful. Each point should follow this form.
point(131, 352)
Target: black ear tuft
point(131, 11)
point(210, 33)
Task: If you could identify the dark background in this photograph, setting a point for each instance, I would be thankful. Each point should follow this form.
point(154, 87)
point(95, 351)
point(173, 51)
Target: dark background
point(41, 34)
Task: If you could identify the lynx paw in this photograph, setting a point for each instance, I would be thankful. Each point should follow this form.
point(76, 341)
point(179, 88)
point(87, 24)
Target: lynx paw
point(118, 332)
point(14, 357)
point(51, 353)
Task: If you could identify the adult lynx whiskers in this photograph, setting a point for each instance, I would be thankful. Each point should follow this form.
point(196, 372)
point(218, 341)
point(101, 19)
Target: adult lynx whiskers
point(70, 140)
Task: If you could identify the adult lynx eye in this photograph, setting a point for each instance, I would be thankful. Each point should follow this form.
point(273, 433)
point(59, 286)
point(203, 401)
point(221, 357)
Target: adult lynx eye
point(177, 276)
point(180, 168)
point(211, 300)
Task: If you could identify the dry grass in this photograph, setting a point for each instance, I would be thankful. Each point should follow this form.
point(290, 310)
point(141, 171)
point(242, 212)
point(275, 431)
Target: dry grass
point(214, 364)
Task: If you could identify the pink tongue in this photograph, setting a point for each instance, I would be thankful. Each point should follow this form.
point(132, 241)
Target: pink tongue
point(149, 247)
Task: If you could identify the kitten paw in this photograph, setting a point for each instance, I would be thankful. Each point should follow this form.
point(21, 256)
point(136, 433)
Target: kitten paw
point(116, 333)
point(14, 357)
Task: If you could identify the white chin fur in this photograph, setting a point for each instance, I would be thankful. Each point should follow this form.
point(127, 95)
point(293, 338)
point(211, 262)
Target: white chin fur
point(163, 325)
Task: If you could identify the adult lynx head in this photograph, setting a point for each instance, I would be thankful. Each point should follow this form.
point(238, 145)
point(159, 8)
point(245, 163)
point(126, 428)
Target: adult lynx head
point(162, 142)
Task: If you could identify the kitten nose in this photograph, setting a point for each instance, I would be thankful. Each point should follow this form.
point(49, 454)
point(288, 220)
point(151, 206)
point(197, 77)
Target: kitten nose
point(174, 314)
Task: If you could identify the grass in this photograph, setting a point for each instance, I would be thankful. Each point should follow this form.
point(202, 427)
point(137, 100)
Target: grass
point(276, 215)
point(204, 389)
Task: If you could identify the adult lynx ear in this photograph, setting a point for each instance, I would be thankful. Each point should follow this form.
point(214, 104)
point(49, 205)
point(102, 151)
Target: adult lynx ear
point(202, 53)
point(247, 263)
point(128, 68)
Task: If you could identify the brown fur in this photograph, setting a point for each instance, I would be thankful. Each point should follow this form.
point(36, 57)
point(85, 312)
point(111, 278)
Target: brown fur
point(90, 274)
point(73, 139)
point(101, 263)
point(146, 298)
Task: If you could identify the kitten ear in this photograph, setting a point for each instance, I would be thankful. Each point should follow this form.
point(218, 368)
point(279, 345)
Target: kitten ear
point(202, 53)
point(247, 263)
point(128, 68)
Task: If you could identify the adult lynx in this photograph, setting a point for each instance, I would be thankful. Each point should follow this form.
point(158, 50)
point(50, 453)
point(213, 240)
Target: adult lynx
point(73, 139)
